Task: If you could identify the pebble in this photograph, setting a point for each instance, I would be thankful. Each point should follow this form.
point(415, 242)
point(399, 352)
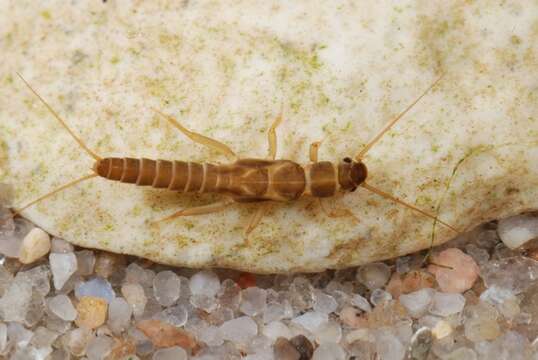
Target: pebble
point(172, 353)
point(91, 312)
point(16, 300)
point(253, 301)
point(62, 267)
point(11, 238)
point(303, 346)
point(283, 349)
point(351, 317)
point(418, 303)
point(239, 330)
point(481, 322)
point(457, 273)
point(361, 302)
point(374, 275)
point(229, 294)
point(177, 315)
point(331, 332)
point(106, 264)
point(515, 231)
point(97, 287)
point(76, 341)
point(135, 296)
point(204, 283)
point(60, 246)
point(516, 274)
point(311, 320)
point(119, 315)
point(324, 303)
point(35, 245)
point(416, 280)
point(276, 329)
point(61, 306)
point(395, 285)
point(86, 262)
point(420, 344)
point(388, 346)
point(380, 296)
point(446, 304)
point(329, 352)
point(99, 347)
point(164, 335)
point(166, 286)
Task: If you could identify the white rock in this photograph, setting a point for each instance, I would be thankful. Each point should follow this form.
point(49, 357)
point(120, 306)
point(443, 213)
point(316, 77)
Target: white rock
point(172, 353)
point(119, 315)
point(276, 329)
point(34, 246)
point(311, 320)
point(62, 267)
point(446, 304)
point(204, 283)
point(61, 306)
point(166, 287)
point(239, 330)
point(329, 352)
point(517, 230)
point(253, 301)
point(417, 303)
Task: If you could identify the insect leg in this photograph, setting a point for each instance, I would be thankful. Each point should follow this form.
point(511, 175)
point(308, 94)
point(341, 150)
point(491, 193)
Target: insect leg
point(199, 138)
point(271, 135)
point(256, 218)
point(337, 213)
point(199, 210)
point(314, 149)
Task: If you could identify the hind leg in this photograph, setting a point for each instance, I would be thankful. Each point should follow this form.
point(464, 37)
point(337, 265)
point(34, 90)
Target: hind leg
point(199, 210)
point(199, 138)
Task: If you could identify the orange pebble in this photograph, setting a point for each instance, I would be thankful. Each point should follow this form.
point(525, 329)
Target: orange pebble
point(416, 280)
point(91, 312)
point(164, 335)
point(246, 280)
point(454, 270)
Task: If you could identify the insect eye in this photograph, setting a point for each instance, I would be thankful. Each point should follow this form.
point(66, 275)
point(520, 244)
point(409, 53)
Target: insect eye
point(347, 160)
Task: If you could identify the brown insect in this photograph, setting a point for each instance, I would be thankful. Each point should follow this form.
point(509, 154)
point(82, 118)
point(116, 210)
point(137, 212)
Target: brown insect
point(245, 180)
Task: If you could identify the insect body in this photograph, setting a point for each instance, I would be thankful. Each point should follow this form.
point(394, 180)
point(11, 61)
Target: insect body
point(245, 180)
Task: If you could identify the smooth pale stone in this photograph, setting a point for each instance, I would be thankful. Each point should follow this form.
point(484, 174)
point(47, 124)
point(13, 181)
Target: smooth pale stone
point(34, 246)
point(517, 230)
point(224, 69)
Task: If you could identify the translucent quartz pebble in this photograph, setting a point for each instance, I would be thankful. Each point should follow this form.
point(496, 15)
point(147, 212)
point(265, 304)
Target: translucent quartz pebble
point(43, 338)
point(380, 296)
point(85, 261)
point(76, 341)
point(99, 347)
point(97, 287)
point(35, 245)
point(135, 274)
point(35, 310)
point(14, 304)
point(11, 239)
point(61, 306)
point(361, 302)
point(504, 300)
point(516, 274)
point(119, 315)
point(330, 332)
point(176, 315)
point(460, 354)
point(481, 256)
point(480, 322)
point(210, 335)
point(3, 337)
point(61, 246)
point(447, 304)
point(276, 329)
point(204, 302)
point(253, 301)
point(229, 294)
point(166, 287)
point(39, 277)
point(311, 320)
point(135, 296)
point(420, 344)
point(389, 346)
point(517, 230)
point(277, 311)
point(18, 335)
point(329, 352)
point(374, 275)
point(62, 267)
point(509, 346)
point(417, 303)
point(204, 283)
point(172, 353)
point(239, 330)
point(324, 303)
point(457, 271)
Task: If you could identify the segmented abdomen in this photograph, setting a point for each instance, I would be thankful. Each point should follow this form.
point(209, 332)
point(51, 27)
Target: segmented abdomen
point(172, 175)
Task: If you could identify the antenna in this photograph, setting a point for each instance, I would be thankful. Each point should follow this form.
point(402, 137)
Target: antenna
point(62, 122)
point(396, 200)
point(389, 125)
point(77, 139)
